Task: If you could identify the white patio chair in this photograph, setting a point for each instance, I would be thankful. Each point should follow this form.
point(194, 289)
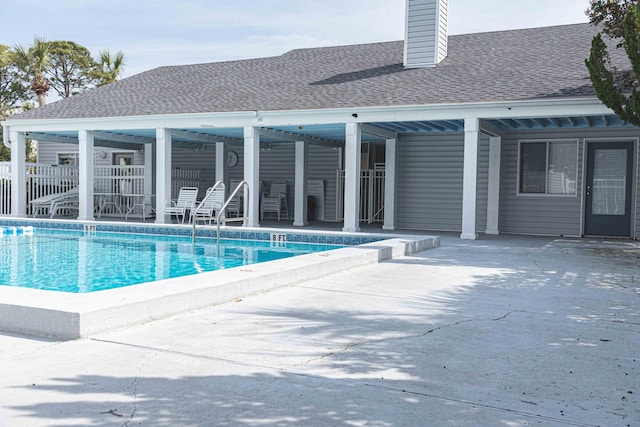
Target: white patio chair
point(275, 201)
point(54, 202)
point(209, 207)
point(186, 202)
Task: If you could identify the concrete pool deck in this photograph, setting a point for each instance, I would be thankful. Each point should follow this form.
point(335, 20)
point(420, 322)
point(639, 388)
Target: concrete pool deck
point(502, 331)
point(65, 315)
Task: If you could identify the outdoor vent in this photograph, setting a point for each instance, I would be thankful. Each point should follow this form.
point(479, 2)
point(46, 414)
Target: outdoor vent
point(425, 42)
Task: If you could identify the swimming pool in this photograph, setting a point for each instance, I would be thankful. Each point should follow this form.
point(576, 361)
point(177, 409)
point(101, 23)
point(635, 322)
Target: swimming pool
point(79, 262)
point(69, 315)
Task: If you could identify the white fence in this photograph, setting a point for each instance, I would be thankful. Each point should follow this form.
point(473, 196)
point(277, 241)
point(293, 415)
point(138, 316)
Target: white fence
point(371, 195)
point(110, 184)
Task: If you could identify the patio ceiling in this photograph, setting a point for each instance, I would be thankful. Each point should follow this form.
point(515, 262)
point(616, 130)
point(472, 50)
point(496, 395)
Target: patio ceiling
point(332, 134)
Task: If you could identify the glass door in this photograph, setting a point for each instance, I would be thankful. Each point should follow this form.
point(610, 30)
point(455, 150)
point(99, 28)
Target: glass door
point(608, 189)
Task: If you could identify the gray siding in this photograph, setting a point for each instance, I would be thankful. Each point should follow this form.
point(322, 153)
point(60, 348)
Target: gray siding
point(536, 214)
point(549, 215)
point(278, 163)
point(426, 32)
point(323, 163)
point(47, 153)
point(429, 182)
point(185, 157)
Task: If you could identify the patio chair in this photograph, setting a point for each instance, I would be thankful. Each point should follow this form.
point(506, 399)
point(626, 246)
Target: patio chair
point(275, 201)
point(209, 207)
point(56, 201)
point(186, 202)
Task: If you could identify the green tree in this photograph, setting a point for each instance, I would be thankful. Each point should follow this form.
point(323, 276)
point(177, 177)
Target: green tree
point(110, 67)
point(609, 13)
point(33, 61)
point(618, 89)
point(70, 68)
point(14, 92)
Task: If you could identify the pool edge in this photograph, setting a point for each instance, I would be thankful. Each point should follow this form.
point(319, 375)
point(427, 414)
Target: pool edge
point(59, 317)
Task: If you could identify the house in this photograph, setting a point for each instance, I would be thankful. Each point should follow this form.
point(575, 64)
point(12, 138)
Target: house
point(497, 132)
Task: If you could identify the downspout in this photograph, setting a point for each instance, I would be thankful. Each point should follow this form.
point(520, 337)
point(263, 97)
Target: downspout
point(5, 137)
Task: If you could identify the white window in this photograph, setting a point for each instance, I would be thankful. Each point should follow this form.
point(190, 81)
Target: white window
point(547, 167)
point(68, 159)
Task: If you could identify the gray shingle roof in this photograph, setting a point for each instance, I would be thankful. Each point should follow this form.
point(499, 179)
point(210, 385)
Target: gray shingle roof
point(496, 66)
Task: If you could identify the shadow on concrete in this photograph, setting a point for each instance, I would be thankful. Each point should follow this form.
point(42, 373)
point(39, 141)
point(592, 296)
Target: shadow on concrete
point(494, 332)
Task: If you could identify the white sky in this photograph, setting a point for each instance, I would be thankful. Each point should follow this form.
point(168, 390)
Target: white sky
point(153, 33)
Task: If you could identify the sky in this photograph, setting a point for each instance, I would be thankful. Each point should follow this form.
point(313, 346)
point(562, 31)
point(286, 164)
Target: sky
point(153, 33)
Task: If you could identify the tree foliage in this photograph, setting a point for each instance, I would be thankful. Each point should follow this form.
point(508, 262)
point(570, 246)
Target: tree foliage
point(110, 66)
point(609, 13)
point(28, 73)
point(33, 61)
point(70, 68)
point(617, 89)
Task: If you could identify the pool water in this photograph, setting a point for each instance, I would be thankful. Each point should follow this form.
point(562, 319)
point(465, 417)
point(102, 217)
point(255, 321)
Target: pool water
point(70, 261)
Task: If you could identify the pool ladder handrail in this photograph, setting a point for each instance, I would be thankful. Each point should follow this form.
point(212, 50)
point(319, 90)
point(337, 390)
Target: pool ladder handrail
point(221, 217)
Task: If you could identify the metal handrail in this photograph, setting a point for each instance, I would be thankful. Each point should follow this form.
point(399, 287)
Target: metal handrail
point(245, 186)
point(242, 185)
point(193, 214)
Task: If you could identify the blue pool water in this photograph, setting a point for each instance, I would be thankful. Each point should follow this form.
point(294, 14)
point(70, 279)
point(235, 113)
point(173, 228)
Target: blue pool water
point(70, 261)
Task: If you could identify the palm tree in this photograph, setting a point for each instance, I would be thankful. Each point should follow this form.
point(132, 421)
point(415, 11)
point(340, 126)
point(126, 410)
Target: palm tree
point(33, 60)
point(111, 66)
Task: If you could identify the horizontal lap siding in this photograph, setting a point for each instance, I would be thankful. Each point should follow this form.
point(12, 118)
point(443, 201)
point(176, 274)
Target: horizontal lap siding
point(534, 214)
point(278, 163)
point(48, 151)
point(323, 163)
point(548, 215)
point(429, 182)
point(185, 157)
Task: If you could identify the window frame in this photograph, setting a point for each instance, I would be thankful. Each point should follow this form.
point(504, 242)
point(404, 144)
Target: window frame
point(70, 154)
point(548, 142)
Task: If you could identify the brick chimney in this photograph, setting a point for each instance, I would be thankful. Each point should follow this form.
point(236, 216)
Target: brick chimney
point(425, 42)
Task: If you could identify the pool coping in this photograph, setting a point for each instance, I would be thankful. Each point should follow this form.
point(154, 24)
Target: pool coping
point(65, 316)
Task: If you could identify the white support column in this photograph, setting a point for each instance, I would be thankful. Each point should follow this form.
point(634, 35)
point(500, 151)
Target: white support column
point(163, 173)
point(352, 144)
point(85, 166)
point(493, 196)
point(222, 170)
point(252, 173)
point(18, 174)
point(390, 184)
point(148, 177)
point(470, 178)
point(300, 201)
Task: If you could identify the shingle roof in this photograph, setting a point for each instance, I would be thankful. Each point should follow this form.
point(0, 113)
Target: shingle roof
point(496, 66)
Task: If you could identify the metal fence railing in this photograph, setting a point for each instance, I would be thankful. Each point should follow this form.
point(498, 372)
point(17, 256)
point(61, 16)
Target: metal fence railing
point(371, 195)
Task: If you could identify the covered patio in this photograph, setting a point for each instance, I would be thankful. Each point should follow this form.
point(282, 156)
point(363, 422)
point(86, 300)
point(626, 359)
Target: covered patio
point(344, 130)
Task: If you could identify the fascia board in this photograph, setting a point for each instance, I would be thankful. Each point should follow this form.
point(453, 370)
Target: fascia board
point(492, 110)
